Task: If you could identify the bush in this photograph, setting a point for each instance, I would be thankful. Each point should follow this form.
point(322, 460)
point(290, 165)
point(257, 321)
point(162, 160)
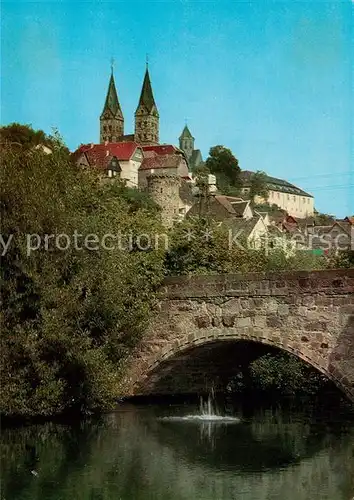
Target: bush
point(69, 318)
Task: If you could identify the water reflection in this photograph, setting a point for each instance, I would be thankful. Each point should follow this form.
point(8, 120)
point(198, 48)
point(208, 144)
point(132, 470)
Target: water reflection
point(134, 454)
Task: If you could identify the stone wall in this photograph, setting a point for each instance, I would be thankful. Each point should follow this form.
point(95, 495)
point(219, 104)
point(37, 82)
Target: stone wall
point(309, 314)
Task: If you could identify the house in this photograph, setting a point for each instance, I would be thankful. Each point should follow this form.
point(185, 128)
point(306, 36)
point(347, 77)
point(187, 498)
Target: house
point(339, 236)
point(220, 207)
point(288, 197)
point(251, 232)
point(112, 159)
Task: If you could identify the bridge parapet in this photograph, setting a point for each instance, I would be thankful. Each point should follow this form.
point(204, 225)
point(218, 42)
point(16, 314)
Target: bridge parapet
point(331, 282)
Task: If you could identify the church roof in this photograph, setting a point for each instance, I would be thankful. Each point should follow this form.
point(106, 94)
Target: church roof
point(146, 97)
point(186, 133)
point(112, 102)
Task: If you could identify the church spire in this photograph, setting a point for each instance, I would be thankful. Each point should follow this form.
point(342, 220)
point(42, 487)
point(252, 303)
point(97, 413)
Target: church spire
point(147, 97)
point(186, 142)
point(111, 119)
point(186, 133)
point(112, 102)
point(146, 114)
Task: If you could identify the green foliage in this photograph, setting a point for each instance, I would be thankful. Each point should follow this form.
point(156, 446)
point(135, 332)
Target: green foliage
point(258, 186)
point(343, 259)
point(286, 375)
point(223, 164)
point(324, 219)
point(25, 137)
point(270, 209)
point(201, 246)
point(69, 318)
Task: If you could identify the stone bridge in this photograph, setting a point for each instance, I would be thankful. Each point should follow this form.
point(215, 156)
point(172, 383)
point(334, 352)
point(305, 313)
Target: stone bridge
point(206, 326)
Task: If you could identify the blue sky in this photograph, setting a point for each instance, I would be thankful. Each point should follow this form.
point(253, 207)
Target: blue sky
point(270, 80)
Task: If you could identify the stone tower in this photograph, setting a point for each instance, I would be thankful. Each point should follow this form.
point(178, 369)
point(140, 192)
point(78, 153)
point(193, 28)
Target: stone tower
point(111, 119)
point(164, 190)
point(186, 142)
point(146, 115)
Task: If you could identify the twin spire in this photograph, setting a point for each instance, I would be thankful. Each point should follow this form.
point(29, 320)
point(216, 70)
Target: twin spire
point(146, 114)
point(146, 97)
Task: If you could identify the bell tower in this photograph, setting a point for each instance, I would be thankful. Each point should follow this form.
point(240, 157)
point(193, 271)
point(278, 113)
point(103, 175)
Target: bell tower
point(186, 142)
point(146, 115)
point(111, 119)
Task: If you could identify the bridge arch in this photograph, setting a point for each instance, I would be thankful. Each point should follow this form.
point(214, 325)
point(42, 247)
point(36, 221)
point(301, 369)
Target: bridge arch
point(308, 314)
point(188, 346)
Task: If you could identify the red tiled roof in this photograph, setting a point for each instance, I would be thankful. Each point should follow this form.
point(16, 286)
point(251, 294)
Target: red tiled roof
point(121, 150)
point(163, 149)
point(160, 161)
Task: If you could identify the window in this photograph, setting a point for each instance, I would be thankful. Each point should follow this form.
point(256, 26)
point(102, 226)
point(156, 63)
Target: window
point(110, 128)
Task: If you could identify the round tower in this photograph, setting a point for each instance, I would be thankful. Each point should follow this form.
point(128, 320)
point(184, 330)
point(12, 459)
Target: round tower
point(164, 190)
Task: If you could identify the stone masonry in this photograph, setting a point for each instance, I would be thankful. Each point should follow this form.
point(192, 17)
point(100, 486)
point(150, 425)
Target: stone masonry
point(309, 314)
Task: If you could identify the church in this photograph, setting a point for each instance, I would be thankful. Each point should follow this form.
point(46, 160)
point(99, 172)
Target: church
point(139, 159)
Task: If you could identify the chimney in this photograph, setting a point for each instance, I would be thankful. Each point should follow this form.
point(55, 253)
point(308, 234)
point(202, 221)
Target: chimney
point(107, 152)
point(105, 143)
point(91, 145)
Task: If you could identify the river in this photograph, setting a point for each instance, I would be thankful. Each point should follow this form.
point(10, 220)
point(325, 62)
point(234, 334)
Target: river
point(143, 452)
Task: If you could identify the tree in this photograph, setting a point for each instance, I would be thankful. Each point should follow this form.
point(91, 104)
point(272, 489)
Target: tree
point(24, 136)
point(286, 375)
point(70, 313)
point(324, 219)
point(258, 186)
point(223, 164)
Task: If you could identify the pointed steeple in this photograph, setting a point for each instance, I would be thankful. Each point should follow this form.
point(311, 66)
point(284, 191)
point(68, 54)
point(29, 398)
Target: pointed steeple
point(112, 102)
point(146, 114)
point(186, 134)
point(147, 97)
point(111, 119)
point(186, 142)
